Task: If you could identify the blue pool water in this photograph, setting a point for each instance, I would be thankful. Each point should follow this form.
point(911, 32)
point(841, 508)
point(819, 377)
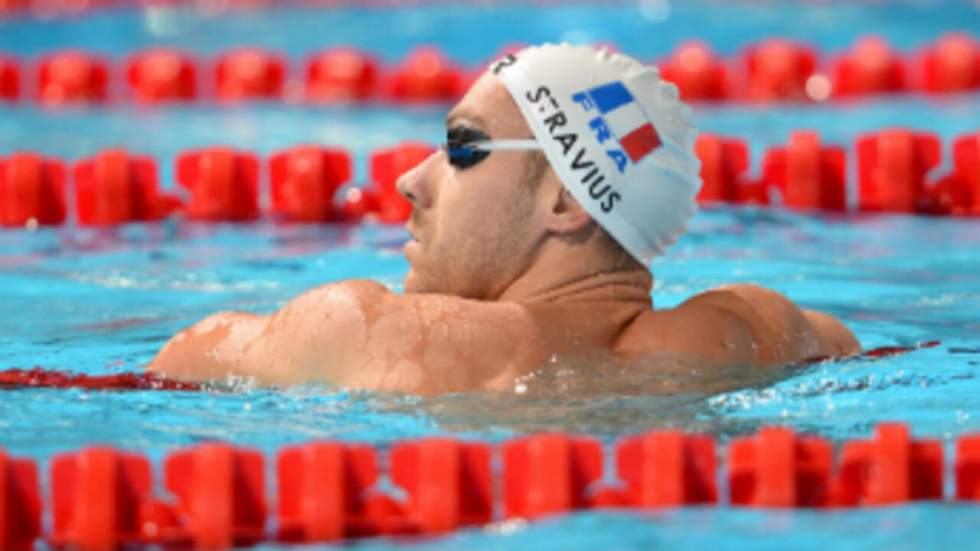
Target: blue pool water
point(103, 301)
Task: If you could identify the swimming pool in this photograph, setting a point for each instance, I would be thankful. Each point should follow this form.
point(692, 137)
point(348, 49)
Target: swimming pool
point(100, 301)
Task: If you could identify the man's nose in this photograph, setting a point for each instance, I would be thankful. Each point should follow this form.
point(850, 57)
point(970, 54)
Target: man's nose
point(415, 186)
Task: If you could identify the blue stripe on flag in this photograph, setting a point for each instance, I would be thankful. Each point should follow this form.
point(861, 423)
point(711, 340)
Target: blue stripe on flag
point(610, 96)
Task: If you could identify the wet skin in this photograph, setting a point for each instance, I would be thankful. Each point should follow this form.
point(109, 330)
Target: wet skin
point(504, 278)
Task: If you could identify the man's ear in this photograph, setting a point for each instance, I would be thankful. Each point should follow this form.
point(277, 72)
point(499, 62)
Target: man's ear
point(566, 215)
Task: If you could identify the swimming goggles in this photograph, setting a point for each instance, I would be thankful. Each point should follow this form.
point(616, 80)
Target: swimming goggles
point(466, 147)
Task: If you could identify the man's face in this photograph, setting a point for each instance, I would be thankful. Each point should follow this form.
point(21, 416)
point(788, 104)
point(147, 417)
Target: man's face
point(474, 230)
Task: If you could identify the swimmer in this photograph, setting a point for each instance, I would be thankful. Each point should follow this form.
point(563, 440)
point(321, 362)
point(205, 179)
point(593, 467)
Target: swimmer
point(566, 170)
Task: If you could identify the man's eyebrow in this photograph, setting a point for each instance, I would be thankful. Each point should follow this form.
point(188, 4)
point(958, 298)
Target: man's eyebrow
point(455, 117)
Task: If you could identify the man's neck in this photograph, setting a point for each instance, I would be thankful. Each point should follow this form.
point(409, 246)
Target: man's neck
point(565, 278)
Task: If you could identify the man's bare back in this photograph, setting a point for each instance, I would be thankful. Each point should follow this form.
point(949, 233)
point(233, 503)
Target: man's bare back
point(508, 272)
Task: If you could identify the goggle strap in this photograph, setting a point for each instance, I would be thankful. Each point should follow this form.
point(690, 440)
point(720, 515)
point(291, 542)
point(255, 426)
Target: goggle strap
point(504, 145)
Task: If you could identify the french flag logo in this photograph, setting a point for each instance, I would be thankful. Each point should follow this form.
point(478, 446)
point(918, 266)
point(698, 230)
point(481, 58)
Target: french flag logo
point(619, 118)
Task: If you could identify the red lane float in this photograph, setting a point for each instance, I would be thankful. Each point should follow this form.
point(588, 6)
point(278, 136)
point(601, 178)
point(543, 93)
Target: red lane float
point(103, 499)
point(40, 377)
point(162, 75)
point(220, 494)
point(9, 79)
point(20, 503)
point(779, 70)
point(426, 75)
point(723, 165)
point(871, 67)
point(32, 188)
point(776, 468)
point(385, 167)
point(892, 167)
point(890, 468)
point(967, 468)
point(115, 187)
point(321, 490)
point(72, 76)
point(96, 495)
point(341, 75)
point(667, 469)
point(966, 161)
point(952, 64)
point(697, 72)
point(548, 474)
point(809, 175)
point(449, 483)
point(250, 73)
point(223, 182)
point(304, 181)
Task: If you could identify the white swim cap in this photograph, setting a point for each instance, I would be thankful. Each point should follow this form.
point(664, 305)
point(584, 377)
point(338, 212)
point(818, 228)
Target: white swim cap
point(617, 136)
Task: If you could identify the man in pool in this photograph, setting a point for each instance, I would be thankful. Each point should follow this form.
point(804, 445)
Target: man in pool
point(566, 170)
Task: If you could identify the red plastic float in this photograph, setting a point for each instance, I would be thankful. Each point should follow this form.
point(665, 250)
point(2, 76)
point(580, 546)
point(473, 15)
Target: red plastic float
point(304, 181)
point(776, 468)
point(386, 166)
point(220, 493)
point(809, 175)
point(779, 70)
point(341, 75)
point(321, 490)
point(723, 165)
point(223, 182)
point(96, 495)
point(250, 74)
point(115, 187)
point(9, 79)
point(951, 65)
point(358, 205)
point(667, 469)
point(32, 188)
point(162, 75)
point(697, 72)
point(890, 468)
point(20, 504)
point(967, 468)
point(547, 474)
point(892, 167)
point(448, 482)
point(871, 67)
point(72, 77)
point(966, 160)
point(426, 75)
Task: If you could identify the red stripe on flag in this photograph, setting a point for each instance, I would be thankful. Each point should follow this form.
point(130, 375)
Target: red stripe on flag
point(641, 141)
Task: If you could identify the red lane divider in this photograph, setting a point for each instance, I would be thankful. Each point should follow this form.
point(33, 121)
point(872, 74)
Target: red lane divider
point(341, 75)
point(96, 495)
point(20, 503)
point(386, 166)
point(779, 70)
point(952, 64)
point(114, 188)
point(39, 377)
point(809, 175)
point(548, 474)
point(776, 468)
point(250, 74)
point(72, 76)
point(870, 67)
point(9, 79)
point(667, 469)
point(304, 181)
point(223, 182)
point(162, 75)
point(890, 468)
point(216, 498)
point(771, 70)
point(892, 167)
point(31, 188)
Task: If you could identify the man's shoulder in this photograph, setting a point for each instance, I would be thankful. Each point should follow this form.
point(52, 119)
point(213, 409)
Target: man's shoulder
point(741, 323)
